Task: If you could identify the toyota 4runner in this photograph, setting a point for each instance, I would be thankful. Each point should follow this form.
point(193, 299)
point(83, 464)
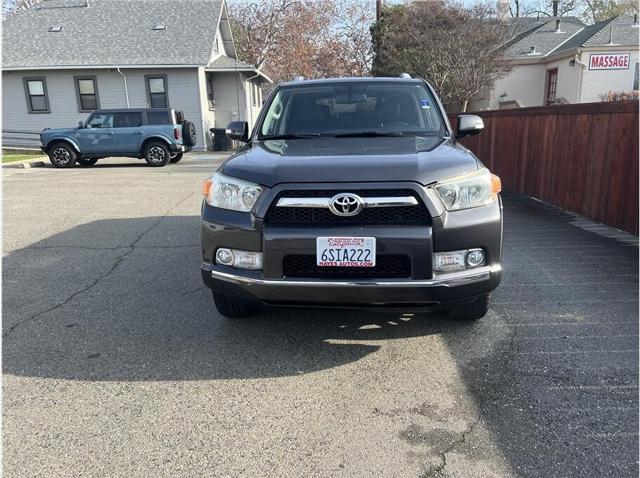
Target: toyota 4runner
point(350, 193)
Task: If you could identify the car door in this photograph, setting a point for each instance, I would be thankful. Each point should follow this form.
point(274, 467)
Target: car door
point(129, 132)
point(98, 136)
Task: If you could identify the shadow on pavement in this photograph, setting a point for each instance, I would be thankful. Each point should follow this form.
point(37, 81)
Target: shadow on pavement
point(142, 313)
point(553, 370)
point(560, 393)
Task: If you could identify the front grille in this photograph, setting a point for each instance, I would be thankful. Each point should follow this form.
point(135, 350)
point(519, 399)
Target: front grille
point(387, 267)
point(402, 215)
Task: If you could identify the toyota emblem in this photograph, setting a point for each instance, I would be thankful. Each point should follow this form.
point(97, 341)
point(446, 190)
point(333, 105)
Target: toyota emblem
point(346, 204)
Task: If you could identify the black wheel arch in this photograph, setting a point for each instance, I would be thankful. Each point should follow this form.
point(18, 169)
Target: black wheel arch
point(153, 139)
point(53, 142)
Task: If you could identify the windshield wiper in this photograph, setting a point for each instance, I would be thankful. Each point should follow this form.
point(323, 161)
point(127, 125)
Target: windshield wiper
point(368, 134)
point(291, 136)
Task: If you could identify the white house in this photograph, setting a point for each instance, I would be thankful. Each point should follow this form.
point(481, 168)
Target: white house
point(63, 58)
point(562, 60)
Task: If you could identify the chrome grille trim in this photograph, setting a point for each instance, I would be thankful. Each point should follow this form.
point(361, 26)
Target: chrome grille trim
point(312, 202)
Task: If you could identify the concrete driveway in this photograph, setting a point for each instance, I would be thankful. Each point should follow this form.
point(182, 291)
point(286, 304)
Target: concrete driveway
point(116, 363)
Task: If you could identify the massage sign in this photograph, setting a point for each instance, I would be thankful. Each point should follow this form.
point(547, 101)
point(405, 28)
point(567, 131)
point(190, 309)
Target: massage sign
point(609, 61)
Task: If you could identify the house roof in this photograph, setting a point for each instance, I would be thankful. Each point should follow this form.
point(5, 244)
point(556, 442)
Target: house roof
point(541, 33)
point(111, 33)
point(544, 36)
point(225, 63)
point(618, 30)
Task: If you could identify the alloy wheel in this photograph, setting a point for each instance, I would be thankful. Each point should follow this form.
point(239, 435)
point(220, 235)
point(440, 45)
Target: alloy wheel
point(61, 156)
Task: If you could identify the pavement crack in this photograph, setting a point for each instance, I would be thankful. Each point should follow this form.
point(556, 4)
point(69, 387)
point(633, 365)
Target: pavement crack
point(118, 260)
point(438, 471)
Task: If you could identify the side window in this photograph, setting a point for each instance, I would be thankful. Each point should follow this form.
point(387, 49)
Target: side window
point(210, 100)
point(128, 119)
point(158, 117)
point(87, 91)
point(157, 91)
point(272, 119)
point(101, 120)
point(36, 92)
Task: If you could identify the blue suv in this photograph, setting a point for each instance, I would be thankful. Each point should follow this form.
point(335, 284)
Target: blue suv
point(158, 135)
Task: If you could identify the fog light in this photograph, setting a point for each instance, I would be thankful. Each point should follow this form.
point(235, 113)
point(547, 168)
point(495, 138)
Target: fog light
point(449, 261)
point(247, 260)
point(239, 259)
point(475, 257)
point(224, 257)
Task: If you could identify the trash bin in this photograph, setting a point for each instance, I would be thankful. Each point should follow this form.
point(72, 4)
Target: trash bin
point(220, 141)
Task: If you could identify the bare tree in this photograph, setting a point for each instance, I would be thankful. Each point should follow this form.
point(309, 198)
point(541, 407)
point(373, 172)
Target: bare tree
point(456, 48)
point(598, 10)
point(312, 38)
point(11, 7)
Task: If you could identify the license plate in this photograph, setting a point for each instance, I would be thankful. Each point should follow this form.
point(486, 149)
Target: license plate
point(346, 251)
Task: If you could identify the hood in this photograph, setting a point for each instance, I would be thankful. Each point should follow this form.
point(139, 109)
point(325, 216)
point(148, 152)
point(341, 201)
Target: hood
point(58, 130)
point(420, 159)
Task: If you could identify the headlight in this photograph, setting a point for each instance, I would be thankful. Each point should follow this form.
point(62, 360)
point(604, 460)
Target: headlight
point(230, 193)
point(469, 190)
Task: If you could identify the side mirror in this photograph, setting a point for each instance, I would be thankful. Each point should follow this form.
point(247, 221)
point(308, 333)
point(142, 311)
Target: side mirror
point(469, 125)
point(80, 124)
point(238, 131)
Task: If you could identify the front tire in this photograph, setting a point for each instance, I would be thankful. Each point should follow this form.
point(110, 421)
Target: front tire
point(62, 155)
point(474, 310)
point(233, 308)
point(176, 157)
point(157, 154)
point(87, 162)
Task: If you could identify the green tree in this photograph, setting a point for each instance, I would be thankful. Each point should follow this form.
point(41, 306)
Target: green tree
point(454, 47)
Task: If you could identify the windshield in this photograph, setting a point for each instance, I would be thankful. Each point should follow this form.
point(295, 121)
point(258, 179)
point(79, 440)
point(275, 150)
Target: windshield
point(352, 109)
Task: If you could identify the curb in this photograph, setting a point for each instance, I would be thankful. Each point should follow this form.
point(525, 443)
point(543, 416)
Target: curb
point(25, 164)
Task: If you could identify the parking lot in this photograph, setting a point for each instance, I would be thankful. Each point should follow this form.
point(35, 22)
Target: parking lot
point(116, 363)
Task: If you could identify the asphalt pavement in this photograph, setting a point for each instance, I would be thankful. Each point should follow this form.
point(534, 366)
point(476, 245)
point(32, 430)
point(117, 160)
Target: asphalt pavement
point(116, 363)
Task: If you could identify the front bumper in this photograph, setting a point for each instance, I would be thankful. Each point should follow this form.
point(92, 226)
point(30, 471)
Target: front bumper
point(473, 228)
point(441, 289)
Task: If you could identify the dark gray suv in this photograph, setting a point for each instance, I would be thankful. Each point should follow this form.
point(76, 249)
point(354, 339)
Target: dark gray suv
point(350, 193)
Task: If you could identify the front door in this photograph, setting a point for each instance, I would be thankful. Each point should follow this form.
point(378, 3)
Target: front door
point(128, 128)
point(99, 136)
point(551, 87)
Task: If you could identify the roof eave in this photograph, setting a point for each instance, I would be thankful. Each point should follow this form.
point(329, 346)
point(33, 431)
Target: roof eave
point(95, 67)
point(240, 69)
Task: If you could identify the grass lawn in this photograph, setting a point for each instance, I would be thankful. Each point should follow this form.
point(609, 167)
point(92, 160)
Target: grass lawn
point(13, 156)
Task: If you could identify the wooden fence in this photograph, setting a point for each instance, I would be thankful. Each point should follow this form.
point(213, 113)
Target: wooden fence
point(582, 157)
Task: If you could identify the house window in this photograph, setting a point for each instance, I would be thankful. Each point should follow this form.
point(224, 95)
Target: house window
point(552, 83)
point(210, 100)
point(636, 78)
point(256, 93)
point(36, 91)
point(216, 46)
point(157, 91)
point(87, 91)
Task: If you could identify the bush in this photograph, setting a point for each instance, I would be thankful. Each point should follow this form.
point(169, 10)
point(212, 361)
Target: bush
point(619, 96)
